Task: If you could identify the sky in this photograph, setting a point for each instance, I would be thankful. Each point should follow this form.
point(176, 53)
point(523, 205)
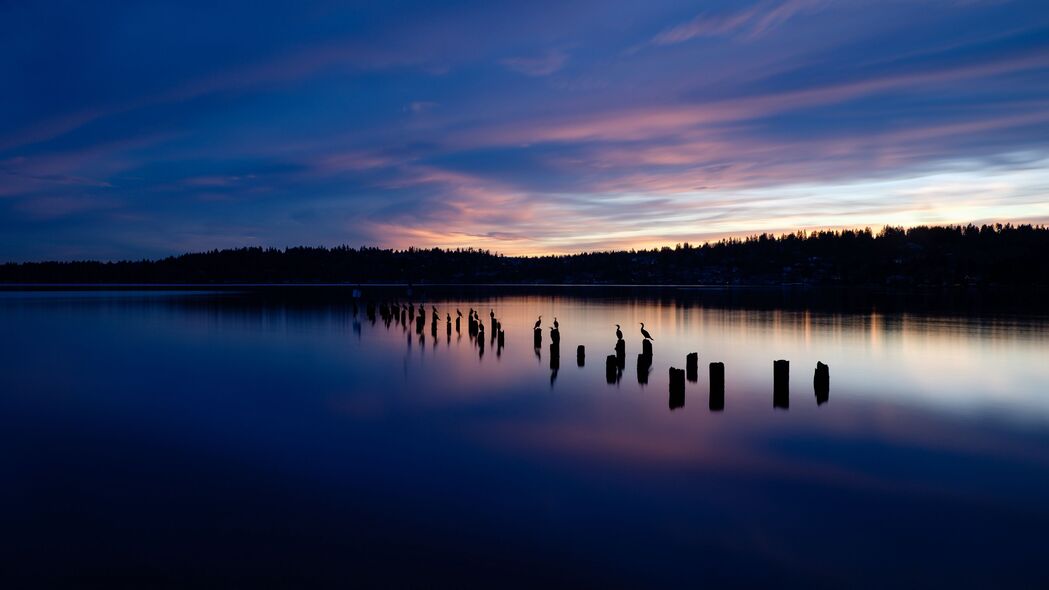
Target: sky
point(131, 130)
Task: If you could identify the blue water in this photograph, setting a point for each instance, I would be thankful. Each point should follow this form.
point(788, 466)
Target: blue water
point(193, 438)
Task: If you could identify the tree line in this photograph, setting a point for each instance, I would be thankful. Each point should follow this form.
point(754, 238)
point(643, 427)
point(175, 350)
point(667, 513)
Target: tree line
point(920, 256)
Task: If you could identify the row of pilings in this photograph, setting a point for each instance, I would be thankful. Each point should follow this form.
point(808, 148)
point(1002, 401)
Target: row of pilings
point(615, 364)
point(716, 403)
point(411, 320)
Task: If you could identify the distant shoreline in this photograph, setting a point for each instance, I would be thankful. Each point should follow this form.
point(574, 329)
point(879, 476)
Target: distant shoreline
point(894, 258)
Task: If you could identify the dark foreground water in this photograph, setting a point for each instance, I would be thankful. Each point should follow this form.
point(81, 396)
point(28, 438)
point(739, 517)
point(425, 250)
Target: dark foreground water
point(171, 439)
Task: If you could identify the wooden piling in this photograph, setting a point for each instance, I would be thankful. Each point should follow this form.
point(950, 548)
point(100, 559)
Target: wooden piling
point(781, 384)
point(644, 366)
point(692, 367)
point(717, 387)
point(677, 388)
point(821, 383)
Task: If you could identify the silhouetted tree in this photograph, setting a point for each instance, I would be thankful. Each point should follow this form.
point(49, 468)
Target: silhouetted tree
point(919, 256)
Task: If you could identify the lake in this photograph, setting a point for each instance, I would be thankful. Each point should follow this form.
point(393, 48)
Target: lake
point(277, 437)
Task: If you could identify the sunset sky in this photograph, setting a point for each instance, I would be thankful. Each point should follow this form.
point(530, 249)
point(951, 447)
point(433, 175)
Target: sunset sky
point(141, 130)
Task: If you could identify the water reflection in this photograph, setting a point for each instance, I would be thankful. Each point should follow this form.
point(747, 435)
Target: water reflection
point(144, 417)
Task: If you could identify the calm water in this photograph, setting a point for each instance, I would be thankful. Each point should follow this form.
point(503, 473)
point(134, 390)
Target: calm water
point(153, 438)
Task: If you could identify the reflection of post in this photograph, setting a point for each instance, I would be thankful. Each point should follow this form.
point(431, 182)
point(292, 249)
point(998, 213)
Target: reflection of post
point(717, 387)
point(677, 388)
point(611, 368)
point(644, 365)
point(821, 383)
point(580, 355)
point(781, 384)
point(692, 366)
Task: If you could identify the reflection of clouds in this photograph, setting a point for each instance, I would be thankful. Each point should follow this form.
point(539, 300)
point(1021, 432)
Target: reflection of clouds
point(754, 442)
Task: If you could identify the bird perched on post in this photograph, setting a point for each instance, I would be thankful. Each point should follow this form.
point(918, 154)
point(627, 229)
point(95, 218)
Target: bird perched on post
point(619, 333)
point(645, 333)
point(538, 322)
point(556, 325)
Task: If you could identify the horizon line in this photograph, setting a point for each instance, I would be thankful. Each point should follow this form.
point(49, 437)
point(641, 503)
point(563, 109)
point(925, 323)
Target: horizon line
point(875, 231)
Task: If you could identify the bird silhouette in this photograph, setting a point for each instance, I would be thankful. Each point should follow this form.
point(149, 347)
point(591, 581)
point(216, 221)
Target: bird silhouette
point(556, 325)
point(645, 333)
point(458, 312)
point(538, 322)
point(619, 333)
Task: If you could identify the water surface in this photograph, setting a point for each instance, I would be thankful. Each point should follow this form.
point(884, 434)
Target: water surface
point(192, 437)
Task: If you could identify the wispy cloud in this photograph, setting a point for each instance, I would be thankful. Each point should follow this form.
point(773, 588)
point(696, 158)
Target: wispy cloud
point(542, 65)
point(419, 107)
point(885, 113)
point(750, 22)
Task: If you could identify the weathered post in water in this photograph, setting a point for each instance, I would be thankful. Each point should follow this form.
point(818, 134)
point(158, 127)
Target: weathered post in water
point(677, 388)
point(611, 368)
point(646, 347)
point(580, 355)
point(537, 338)
point(644, 366)
point(821, 383)
point(781, 384)
point(717, 387)
point(692, 367)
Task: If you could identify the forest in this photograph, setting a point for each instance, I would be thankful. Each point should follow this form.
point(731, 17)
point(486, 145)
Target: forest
point(987, 255)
